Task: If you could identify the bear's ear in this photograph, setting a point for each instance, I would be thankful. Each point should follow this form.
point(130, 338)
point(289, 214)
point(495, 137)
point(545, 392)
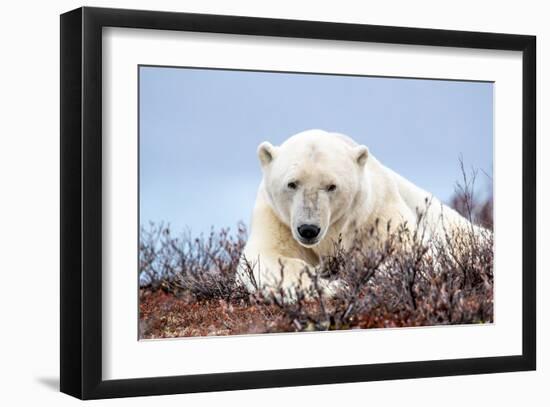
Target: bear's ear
point(266, 153)
point(361, 153)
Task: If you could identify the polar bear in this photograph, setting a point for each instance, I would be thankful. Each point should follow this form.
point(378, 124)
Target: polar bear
point(319, 187)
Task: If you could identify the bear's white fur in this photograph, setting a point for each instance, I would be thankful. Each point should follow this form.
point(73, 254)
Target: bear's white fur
point(330, 182)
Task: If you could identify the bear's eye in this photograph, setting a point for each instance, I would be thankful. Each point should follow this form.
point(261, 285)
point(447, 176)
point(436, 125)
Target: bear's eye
point(292, 185)
point(331, 188)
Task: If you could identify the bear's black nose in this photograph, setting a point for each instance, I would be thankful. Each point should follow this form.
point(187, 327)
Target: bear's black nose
point(308, 231)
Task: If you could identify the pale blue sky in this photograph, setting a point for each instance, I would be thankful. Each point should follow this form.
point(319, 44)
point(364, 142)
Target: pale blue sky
point(199, 130)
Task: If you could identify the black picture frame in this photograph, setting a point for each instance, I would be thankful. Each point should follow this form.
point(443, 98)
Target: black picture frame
point(81, 202)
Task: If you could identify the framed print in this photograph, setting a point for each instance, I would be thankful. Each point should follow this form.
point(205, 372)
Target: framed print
point(251, 202)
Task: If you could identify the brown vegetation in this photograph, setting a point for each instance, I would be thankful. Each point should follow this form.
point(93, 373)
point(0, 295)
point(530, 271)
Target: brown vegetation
point(398, 282)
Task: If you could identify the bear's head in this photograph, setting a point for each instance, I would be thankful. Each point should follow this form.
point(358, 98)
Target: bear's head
point(312, 181)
